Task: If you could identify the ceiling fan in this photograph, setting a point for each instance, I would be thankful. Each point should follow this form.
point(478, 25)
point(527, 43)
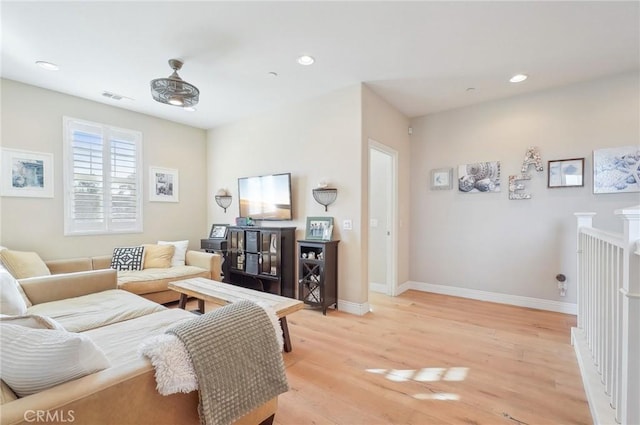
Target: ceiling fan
point(173, 90)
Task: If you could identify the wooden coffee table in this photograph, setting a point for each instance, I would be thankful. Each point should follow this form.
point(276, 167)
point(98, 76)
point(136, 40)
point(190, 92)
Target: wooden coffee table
point(224, 293)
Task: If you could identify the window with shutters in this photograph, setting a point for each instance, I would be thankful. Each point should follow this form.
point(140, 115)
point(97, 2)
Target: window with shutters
point(102, 178)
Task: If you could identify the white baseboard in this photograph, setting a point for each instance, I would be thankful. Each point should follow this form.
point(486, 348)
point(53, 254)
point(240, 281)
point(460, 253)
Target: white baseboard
point(359, 309)
point(601, 411)
point(380, 288)
point(538, 303)
point(404, 287)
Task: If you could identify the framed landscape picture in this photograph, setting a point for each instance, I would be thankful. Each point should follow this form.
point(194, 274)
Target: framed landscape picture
point(616, 170)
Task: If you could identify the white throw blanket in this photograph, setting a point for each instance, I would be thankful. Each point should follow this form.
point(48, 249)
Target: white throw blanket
point(169, 357)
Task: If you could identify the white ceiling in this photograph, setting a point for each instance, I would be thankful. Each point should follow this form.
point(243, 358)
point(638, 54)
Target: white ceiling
point(419, 56)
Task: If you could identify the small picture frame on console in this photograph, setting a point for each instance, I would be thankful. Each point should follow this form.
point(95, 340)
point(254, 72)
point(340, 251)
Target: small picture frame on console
point(218, 231)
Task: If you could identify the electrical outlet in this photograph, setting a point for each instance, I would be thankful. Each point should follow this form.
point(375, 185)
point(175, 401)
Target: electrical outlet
point(347, 225)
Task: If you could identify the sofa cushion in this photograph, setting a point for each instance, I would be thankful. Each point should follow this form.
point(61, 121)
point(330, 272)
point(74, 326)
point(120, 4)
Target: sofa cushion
point(95, 310)
point(22, 264)
point(158, 256)
point(6, 393)
point(180, 253)
point(34, 321)
point(127, 258)
point(120, 341)
point(11, 301)
point(36, 359)
point(155, 280)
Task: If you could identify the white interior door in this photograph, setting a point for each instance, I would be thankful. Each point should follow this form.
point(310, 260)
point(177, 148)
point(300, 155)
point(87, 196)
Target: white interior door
point(382, 213)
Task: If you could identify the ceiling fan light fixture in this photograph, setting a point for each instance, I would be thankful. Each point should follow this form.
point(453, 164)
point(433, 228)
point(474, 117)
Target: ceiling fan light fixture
point(173, 90)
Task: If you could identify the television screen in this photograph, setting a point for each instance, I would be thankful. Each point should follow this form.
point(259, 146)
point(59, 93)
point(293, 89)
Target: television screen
point(265, 197)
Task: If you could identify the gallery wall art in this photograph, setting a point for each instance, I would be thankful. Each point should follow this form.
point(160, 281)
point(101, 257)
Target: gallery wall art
point(616, 170)
point(479, 177)
point(26, 173)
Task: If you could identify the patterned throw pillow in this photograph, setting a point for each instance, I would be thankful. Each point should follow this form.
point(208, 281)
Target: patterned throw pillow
point(128, 258)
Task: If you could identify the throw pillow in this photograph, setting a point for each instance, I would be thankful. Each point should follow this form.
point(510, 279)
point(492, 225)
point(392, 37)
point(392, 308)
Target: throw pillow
point(11, 302)
point(34, 321)
point(27, 301)
point(22, 264)
point(158, 256)
point(180, 253)
point(34, 360)
point(127, 258)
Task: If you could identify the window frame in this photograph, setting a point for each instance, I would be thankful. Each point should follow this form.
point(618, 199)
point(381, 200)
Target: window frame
point(108, 133)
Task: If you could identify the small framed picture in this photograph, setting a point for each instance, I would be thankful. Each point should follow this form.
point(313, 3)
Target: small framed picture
point(319, 228)
point(163, 185)
point(442, 179)
point(218, 231)
point(26, 173)
point(566, 173)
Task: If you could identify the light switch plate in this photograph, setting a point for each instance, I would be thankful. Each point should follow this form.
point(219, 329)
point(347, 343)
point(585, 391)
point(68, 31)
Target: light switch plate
point(347, 225)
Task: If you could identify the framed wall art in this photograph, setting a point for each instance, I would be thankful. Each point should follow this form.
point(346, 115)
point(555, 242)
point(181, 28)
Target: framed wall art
point(616, 170)
point(26, 173)
point(479, 177)
point(218, 231)
point(319, 228)
point(566, 173)
point(163, 185)
point(442, 179)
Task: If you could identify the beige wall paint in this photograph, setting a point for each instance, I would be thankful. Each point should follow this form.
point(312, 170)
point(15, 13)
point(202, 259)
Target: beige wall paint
point(384, 124)
point(32, 120)
point(486, 241)
point(314, 141)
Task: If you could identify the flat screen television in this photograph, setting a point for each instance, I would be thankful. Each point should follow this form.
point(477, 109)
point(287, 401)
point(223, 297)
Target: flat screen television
point(265, 197)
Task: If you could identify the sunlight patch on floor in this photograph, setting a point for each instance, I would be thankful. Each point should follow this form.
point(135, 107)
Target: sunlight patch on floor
point(426, 374)
point(437, 396)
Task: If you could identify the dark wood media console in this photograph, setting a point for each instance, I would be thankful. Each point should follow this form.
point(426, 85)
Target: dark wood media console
point(261, 258)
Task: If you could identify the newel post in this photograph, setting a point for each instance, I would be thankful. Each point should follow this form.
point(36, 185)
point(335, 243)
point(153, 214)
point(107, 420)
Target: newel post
point(630, 367)
point(584, 219)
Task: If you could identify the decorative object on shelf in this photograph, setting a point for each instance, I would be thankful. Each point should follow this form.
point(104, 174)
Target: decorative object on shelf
point(163, 185)
point(26, 173)
point(173, 90)
point(566, 173)
point(223, 199)
point(319, 228)
point(325, 195)
point(479, 177)
point(442, 179)
point(616, 170)
point(218, 231)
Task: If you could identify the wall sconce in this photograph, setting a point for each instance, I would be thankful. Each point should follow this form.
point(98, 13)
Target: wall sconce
point(223, 199)
point(325, 196)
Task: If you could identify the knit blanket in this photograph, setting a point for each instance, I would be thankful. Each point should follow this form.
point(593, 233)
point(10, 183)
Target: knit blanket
point(236, 358)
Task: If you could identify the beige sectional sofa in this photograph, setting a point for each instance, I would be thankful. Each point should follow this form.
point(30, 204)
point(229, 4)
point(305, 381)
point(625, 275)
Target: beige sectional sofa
point(116, 321)
point(151, 283)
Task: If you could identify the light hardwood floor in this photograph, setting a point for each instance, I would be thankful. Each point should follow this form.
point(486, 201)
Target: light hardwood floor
point(423, 358)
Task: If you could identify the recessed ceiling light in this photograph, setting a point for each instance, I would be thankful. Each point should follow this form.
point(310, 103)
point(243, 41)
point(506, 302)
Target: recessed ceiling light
point(48, 66)
point(306, 60)
point(272, 74)
point(470, 88)
point(190, 108)
point(518, 78)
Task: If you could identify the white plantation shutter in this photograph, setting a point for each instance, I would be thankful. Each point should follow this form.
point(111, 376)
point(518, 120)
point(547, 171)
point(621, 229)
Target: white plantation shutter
point(103, 178)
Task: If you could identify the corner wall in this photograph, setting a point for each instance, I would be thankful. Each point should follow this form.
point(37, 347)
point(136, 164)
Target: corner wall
point(487, 242)
point(32, 120)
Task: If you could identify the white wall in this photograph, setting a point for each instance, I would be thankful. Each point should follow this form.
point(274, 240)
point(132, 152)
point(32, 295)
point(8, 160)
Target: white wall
point(384, 124)
point(489, 243)
point(32, 120)
point(314, 141)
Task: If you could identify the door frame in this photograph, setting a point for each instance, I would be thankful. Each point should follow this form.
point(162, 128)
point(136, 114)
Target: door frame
point(392, 246)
